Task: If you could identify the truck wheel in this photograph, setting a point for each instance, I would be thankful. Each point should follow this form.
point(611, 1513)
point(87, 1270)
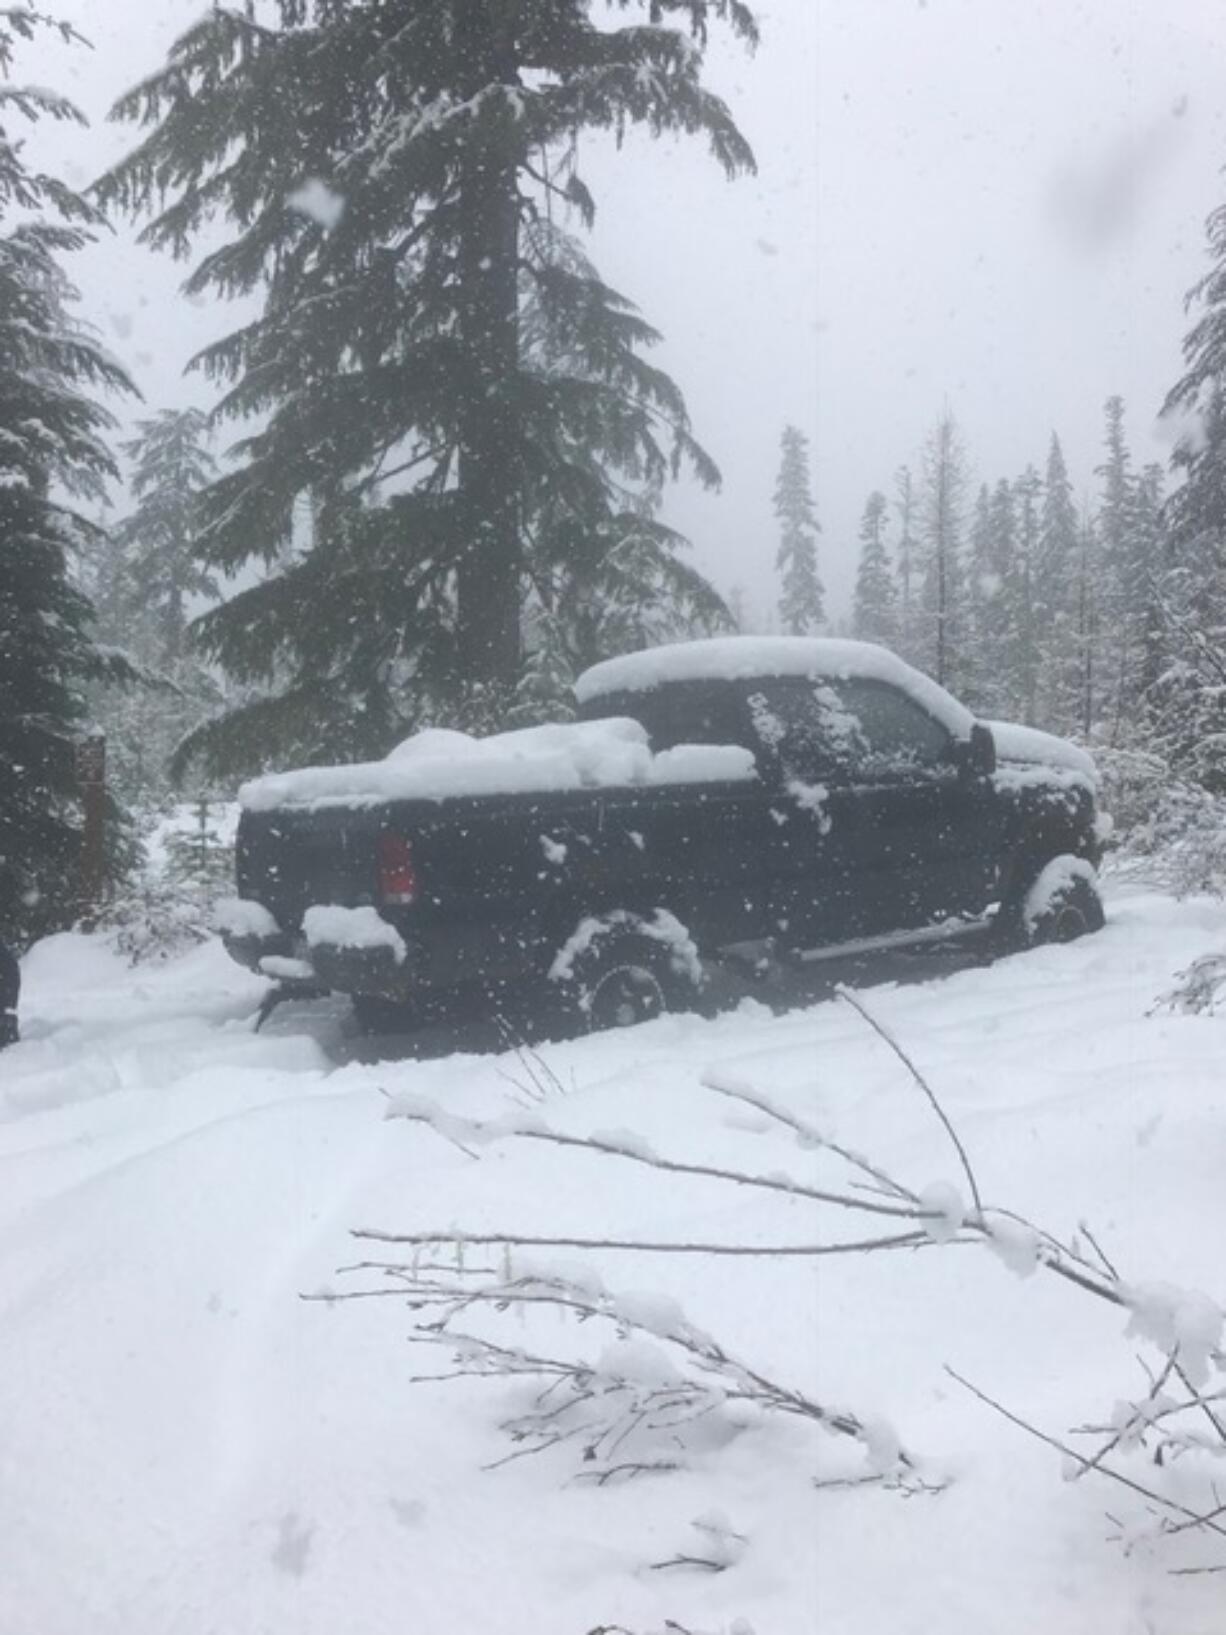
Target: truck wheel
point(1061, 904)
point(622, 995)
point(632, 973)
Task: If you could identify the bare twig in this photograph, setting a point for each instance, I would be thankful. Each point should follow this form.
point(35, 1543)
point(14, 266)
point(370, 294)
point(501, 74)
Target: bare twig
point(712, 1172)
point(1162, 1499)
point(1084, 1227)
point(1129, 1426)
point(806, 1132)
point(884, 1034)
point(516, 1240)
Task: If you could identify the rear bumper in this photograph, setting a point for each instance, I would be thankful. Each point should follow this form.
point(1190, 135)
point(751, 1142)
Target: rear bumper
point(374, 972)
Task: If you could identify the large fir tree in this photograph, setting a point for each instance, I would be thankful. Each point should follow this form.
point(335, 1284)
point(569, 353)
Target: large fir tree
point(801, 600)
point(51, 454)
point(435, 359)
point(875, 609)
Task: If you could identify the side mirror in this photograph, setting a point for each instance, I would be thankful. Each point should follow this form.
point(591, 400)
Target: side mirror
point(980, 754)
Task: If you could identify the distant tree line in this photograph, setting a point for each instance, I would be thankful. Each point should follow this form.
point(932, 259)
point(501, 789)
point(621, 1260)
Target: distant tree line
point(1027, 605)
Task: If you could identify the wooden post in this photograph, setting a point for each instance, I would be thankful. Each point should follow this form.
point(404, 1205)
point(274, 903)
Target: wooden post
point(91, 781)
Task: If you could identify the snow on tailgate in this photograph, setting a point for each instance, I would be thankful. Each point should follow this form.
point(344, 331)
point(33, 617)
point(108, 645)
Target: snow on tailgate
point(436, 764)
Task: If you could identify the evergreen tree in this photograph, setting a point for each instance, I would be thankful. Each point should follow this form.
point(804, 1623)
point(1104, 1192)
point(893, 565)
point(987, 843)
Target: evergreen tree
point(545, 691)
point(50, 445)
point(1055, 596)
point(1130, 553)
point(992, 600)
point(1189, 697)
point(1151, 559)
point(160, 542)
point(943, 592)
point(905, 507)
point(1088, 625)
point(979, 672)
point(434, 357)
point(1024, 656)
point(875, 610)
point(801, 607)
point(1116, 472)
point(148, 579)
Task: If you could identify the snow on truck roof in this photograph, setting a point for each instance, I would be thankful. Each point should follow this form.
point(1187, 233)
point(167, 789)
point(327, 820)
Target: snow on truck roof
point(748, 658)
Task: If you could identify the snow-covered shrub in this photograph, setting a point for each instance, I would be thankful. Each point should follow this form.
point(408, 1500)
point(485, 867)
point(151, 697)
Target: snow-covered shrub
point(156, 918)
point(198, 845)
point(634, 1387)
point(1168, 832)
point(1200, 988)
point(168, 905)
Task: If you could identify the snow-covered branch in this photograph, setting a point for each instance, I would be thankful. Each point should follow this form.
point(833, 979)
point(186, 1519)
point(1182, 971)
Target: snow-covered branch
point(635, 1406)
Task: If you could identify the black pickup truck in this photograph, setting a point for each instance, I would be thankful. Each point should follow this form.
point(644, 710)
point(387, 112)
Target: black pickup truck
point(741, 803)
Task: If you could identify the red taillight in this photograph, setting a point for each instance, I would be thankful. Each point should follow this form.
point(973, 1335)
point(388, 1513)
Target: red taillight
point(397, 872)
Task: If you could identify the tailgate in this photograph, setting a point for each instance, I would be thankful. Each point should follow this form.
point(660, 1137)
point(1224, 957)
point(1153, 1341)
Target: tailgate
point(288, 860)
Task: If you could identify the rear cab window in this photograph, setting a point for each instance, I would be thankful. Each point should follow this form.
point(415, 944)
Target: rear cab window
point(689, 712)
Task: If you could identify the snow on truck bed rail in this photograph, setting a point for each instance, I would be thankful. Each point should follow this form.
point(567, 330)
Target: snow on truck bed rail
point(436, 764)
point(744, 658)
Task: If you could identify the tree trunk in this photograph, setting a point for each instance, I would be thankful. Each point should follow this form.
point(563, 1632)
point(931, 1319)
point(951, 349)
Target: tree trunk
point(488, 581)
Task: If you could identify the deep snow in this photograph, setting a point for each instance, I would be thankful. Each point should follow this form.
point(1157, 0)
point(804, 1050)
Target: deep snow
point(188, 1447)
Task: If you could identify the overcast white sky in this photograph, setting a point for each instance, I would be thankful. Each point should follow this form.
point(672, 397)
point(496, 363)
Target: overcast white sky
point(997, 204)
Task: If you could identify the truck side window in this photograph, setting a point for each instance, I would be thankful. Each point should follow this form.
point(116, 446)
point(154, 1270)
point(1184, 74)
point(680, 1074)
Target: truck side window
point(893, 734)
point(803, 724)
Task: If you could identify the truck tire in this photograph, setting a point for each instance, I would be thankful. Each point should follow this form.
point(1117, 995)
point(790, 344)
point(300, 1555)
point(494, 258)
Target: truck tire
point(630, 972)
point(1059, 903)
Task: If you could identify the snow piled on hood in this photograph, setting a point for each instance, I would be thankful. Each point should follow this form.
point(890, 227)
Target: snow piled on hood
point(1028, 744)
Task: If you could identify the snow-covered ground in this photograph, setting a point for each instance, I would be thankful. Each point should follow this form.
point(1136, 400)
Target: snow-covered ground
point(186, 1446)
